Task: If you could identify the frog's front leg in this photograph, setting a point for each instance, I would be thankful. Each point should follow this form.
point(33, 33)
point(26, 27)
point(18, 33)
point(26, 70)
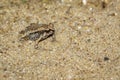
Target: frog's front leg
point(53, 37)
point(36, 43)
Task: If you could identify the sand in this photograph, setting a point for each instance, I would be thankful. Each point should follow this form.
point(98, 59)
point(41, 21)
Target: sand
point(87, 45)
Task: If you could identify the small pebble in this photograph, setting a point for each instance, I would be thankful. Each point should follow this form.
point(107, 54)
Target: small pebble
point(106, 58)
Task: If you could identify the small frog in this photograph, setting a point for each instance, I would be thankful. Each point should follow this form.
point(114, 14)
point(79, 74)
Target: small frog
point(38, 32)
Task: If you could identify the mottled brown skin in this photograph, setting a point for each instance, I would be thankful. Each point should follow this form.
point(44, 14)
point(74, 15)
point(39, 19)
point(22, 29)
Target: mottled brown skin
point(38, 32)
point(37, 27)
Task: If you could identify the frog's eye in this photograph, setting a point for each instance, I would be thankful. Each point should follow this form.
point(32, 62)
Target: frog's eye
point(32, 24)
point(51, 25)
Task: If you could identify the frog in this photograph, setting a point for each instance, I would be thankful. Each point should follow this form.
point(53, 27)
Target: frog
point(38, 33)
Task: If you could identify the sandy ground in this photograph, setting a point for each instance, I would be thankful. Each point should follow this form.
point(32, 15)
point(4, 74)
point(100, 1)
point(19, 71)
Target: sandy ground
point(87, 45)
